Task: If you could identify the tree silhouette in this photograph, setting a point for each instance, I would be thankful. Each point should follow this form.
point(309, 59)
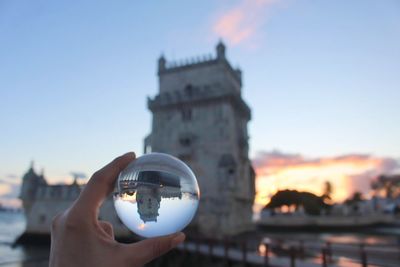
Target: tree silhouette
point(389, 184)
point(355, 198)
point(327, 190)
point(311, 203)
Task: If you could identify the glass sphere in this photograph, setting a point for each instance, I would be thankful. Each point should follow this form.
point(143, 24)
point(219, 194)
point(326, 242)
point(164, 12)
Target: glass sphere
point(156, 194)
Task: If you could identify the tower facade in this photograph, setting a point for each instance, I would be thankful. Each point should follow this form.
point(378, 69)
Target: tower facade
point(200, 117)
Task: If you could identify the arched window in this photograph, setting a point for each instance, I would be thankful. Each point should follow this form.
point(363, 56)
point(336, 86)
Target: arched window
point(227, 171)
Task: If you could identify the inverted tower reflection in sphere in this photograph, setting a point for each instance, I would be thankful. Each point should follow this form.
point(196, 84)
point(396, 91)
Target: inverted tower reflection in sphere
point(157, 194)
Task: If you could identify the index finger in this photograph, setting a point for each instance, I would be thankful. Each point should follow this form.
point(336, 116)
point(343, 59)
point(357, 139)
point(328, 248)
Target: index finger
point(101, 184)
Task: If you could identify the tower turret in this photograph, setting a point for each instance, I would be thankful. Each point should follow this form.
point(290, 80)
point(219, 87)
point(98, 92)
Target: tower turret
point(161, 63)
point(220, 50)
point(30, 183)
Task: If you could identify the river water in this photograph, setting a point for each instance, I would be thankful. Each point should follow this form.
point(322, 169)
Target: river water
point(13, 224)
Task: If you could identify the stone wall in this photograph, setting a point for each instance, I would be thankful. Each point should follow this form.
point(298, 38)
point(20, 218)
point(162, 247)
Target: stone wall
point(51, 200)
point(204, 73)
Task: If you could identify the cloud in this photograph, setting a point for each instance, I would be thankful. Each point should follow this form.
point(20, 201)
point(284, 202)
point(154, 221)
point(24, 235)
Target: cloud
point(347, 173)
point(9, 185)
point(11, 179)
point(9, 191)
point(243, 21)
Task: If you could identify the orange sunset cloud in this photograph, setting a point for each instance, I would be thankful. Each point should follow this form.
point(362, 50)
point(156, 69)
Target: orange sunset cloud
point(242, 22)
point(347, 174)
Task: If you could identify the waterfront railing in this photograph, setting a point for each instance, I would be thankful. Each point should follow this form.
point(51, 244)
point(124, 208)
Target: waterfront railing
point(294, 254)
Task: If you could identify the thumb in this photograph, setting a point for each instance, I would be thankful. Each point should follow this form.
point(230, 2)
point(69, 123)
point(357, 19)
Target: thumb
point(144, 251)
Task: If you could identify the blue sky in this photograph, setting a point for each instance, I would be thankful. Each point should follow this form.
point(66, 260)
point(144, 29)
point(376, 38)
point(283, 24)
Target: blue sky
point(322, 77)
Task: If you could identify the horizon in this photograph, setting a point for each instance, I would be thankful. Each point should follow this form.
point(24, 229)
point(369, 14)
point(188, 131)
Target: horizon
point(320, 79)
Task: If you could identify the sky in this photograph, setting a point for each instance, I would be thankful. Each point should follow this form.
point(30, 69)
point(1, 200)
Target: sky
point(321, 78)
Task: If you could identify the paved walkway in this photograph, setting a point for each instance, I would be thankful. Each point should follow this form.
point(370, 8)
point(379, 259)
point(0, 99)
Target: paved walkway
point(236, 255)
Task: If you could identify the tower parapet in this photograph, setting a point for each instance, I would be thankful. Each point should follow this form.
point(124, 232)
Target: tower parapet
point(214, 69)
point(171, 65)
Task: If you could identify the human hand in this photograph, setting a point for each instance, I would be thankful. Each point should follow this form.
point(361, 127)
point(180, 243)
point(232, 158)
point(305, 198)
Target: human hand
point(78, 238)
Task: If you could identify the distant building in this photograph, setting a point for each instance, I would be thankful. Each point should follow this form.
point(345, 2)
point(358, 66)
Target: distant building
point(41, 202)
point(200, 117)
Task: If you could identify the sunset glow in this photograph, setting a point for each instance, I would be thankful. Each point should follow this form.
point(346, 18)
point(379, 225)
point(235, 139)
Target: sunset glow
point(347, 174)
point(241, 22)
point(129, 197)
point(141, 226)
point(4, 189)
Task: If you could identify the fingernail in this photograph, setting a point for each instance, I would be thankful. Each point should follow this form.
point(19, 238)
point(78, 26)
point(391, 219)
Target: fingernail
point(130, 154)
point(179, 238)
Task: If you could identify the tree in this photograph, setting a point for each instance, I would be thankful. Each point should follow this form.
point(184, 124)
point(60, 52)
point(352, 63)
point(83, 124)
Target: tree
point(355, 198)
point(327, 191)
point(389, 184)
point(311, 203)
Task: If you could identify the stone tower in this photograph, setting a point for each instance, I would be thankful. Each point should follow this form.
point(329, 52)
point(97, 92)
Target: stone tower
point(200, 117)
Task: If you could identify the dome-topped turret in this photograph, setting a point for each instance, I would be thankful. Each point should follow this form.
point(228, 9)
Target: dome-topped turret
point(32, 175)
point(161, 63)
point(30, 183)
point(220, 50)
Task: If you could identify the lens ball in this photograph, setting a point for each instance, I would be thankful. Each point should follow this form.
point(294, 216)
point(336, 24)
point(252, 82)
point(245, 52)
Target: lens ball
point(156, 194)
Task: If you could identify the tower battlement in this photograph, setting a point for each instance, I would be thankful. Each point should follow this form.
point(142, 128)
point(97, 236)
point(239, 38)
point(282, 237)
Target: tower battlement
point(195, 70)
point(188, 62)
